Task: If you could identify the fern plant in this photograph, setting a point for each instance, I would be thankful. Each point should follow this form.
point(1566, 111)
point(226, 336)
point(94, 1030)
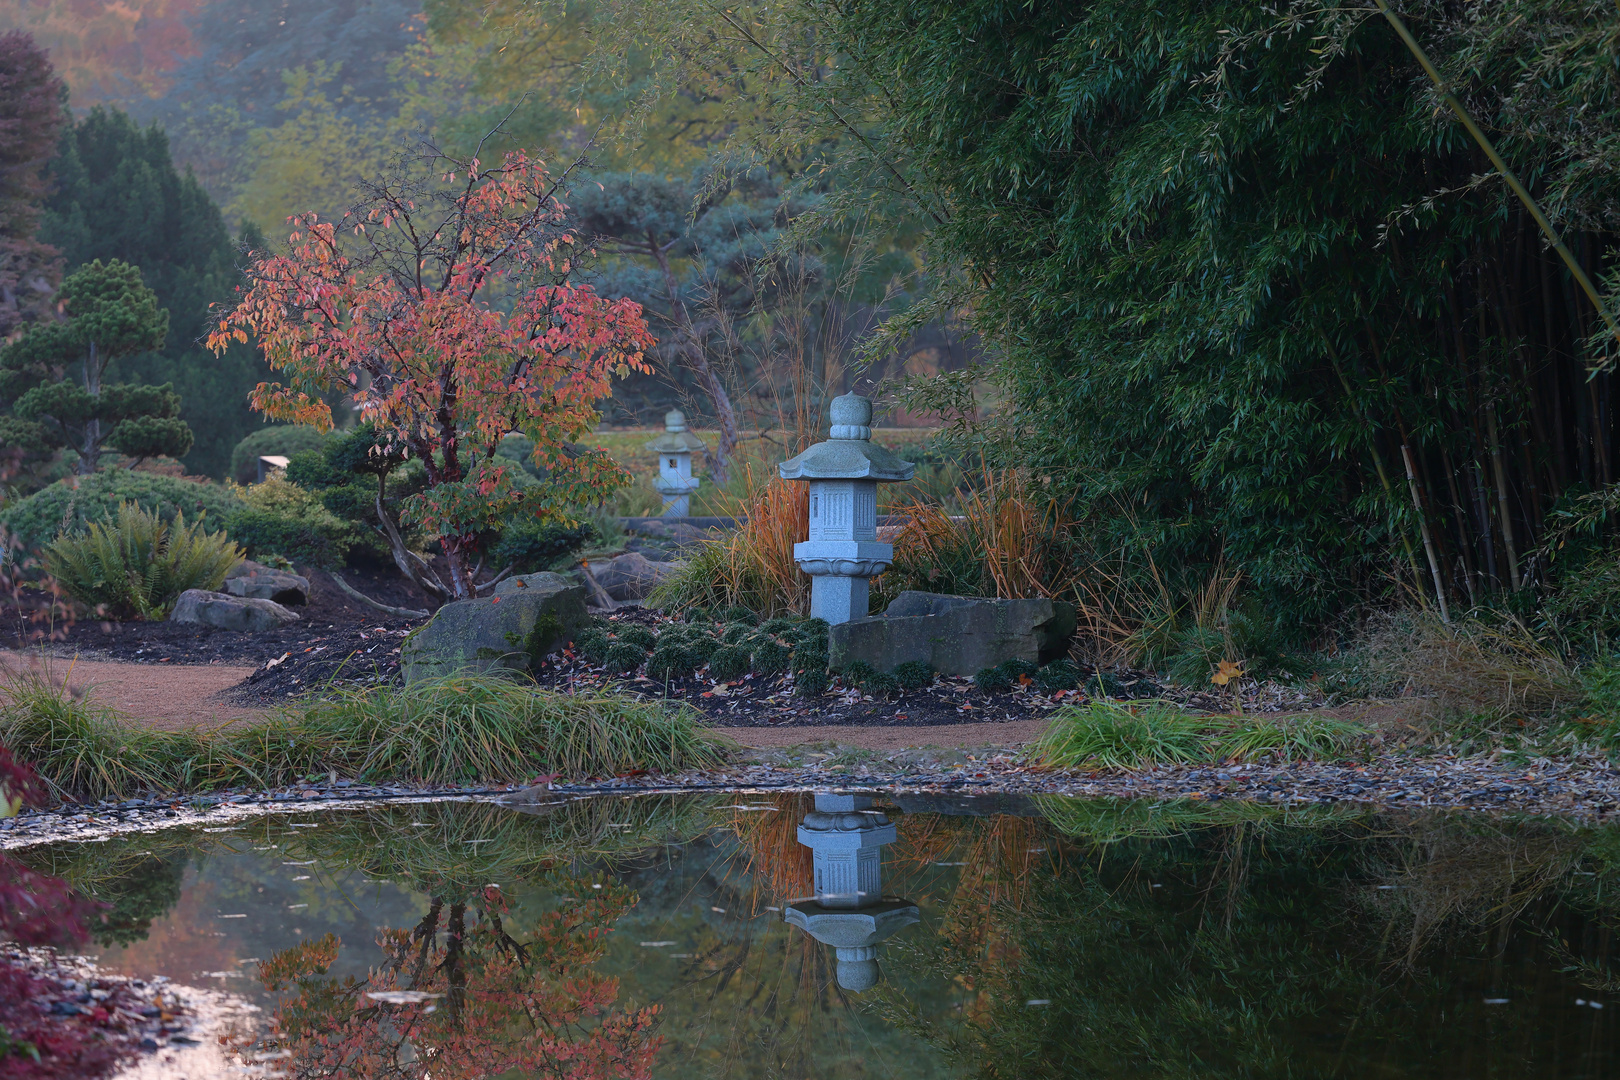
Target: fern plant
point(137, 565)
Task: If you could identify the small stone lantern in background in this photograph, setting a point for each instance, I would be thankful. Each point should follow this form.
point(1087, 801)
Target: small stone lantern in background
point(843, 553)
point(674, 449)
point(846, 838)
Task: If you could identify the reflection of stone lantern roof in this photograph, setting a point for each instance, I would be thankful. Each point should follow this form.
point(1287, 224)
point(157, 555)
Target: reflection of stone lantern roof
point(848, 912)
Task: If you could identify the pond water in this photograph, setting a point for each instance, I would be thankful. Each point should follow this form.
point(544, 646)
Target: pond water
point(929, 937)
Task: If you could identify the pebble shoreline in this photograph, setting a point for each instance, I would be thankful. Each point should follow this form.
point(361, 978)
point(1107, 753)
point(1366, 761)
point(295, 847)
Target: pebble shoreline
point(1584, 789)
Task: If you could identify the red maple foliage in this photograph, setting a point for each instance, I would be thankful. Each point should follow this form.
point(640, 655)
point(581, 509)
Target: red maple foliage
point(460, 997)
point(443, 308)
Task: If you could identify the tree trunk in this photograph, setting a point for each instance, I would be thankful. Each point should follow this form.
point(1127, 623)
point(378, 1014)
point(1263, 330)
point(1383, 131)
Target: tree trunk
point(693, 353)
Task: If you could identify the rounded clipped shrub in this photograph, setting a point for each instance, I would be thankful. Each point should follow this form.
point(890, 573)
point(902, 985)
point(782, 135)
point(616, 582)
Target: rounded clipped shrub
point(857, 673)
point(672, 661)
point(811, 682)
point(772, 658)
point(738, 613)
point(778, 625)
point(283, 440)
point(637, 635)
point(1016, 668)
point(36, 520)
point(1058, 675)
point(736, 632)
point(728, 663)
point(622, 657)
point(593, 645)
point(880, 684)
point(697, 615)
point(914, 675)
point(993, 680)
point(701, 646)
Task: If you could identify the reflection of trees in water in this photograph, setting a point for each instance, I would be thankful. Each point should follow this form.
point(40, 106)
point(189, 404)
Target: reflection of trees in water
point(467, 992)
point(1270, 943)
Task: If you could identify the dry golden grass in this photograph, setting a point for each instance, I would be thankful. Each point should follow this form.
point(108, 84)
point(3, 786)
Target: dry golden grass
point(753, 566)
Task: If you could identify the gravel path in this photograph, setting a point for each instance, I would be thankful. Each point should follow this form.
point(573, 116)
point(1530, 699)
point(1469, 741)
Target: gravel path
point(166, 696)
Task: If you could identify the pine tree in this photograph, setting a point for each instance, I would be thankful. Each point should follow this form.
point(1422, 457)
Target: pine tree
point(61, 366)
point(117, 195)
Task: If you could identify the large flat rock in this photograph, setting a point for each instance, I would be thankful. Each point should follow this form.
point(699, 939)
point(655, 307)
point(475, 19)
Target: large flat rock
point(244, 613)
point(525, 619)
point(250, 579)
point(957, 635)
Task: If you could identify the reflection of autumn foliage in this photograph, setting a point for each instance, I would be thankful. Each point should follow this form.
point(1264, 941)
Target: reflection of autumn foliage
point(464, 994)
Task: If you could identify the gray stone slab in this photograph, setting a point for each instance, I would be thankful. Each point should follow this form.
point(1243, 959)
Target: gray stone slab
point(956, 635)
point(250, 579)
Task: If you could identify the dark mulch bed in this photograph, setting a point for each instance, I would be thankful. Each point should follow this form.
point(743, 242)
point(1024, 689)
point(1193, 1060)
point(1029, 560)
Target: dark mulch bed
point(338, 640)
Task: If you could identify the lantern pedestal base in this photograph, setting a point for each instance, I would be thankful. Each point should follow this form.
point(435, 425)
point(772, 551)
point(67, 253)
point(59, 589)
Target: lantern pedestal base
point(839, 599)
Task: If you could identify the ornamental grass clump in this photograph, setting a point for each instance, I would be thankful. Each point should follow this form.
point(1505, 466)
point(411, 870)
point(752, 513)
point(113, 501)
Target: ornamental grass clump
point(1289, 738)
point(465, 728)
point(137, 564)
point(1116, 737)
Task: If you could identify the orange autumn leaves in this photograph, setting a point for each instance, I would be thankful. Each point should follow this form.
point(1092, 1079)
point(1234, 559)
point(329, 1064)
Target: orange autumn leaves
point(443, 310)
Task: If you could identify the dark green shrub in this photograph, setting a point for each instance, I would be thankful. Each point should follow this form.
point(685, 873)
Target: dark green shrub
point(811, 682)
point(993, 680)
point(857, 673)
point(881, 684)
point(772, 658)
point(778, 625)
point(729, 662)
point(282, 440)
point(1016, 668)
point(701, 646)
point(914, 675)
point(808, 657)
point(1058, 675)
point(622, 658)
point(637, 635)
point(697, 614)
point(530, 546)
point(281, 518)
point(735, 632)
point(593, 645)
point(36, 520)
point(738, 613)
point(672, 661)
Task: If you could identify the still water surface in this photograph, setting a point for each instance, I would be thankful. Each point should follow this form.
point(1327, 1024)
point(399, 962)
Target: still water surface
point(768, 936)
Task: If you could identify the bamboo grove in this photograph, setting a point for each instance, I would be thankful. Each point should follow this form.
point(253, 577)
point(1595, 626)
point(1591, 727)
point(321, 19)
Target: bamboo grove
point(1241, 267)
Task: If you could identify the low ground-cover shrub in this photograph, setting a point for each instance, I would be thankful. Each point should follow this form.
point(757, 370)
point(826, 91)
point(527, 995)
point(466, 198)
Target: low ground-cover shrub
point(459, 729)
point(136, 565)
point(62, 507)
point(1104, 735)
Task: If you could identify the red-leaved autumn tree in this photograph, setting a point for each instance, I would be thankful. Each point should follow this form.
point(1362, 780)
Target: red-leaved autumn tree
point(442, 307)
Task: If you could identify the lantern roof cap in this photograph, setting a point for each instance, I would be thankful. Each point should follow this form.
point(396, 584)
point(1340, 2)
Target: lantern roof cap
point(848, 453)
point(675, 439)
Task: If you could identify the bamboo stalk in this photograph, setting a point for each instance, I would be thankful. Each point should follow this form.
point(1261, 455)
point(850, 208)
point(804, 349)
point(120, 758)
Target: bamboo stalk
point(1501, 166)
point(1428, 541)
point(1502, 495)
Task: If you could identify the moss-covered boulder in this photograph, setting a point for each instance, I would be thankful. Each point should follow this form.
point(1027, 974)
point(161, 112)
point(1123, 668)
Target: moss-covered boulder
point(526, 618)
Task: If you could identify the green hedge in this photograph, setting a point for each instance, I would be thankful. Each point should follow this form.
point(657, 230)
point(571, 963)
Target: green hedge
point(36, 520)
point(285, 440)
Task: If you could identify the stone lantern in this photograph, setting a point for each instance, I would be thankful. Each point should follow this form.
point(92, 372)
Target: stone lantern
point(674, 449)
point(849, 912)
point(843, 553)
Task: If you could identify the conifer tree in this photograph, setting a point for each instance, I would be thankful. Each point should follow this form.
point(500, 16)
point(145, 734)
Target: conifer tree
point(57, 373)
